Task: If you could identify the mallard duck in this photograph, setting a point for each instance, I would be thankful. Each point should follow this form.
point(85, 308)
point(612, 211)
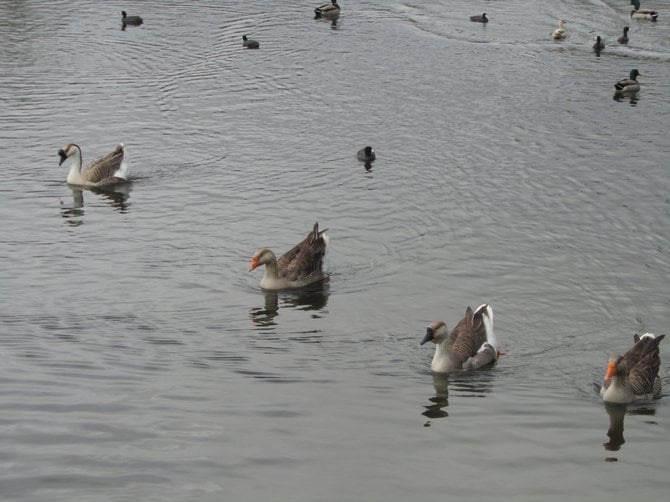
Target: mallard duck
point(623, 39)
point(560, 33)
point(599, 45)
point(638, 13)
point(628, 85)
point(634, 375)
point(329, 10)
point(479, 19)
point(366, 154)
point(249, 43)
point(130, 20)
point(108, 170)
point(300, 266)
point(470, 345)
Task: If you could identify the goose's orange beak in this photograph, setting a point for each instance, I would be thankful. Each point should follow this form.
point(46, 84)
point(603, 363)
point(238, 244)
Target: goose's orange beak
point(611, 371)
point(254, 263)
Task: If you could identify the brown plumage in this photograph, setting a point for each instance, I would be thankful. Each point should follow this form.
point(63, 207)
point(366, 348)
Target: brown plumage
point(300, 266)
point(635, 374)
point(470, 345)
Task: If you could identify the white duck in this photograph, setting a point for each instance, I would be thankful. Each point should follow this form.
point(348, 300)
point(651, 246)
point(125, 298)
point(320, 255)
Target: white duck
point(634, 375)
point(560, 33)
point(470, 345)
point(638, 13)
point(300, 266)
point(111, 169)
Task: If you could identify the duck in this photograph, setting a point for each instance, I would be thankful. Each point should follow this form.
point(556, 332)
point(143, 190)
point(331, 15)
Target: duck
point(479, 19)
point(130, 20)
point(366, 154)
point(301, 266)
point(638, 13)
point(628, 85)
point(111, 169)
point(469, 346)
point(559, 33)
point(327, 10)
point(249, 43)
point(634, 376)
point(599, 45)
point(623, 39)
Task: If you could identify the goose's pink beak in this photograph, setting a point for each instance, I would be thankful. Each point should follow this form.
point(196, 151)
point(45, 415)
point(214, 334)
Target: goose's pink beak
point(254, 263)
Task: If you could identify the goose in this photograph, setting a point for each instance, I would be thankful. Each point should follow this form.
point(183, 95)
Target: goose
point(628, 85)
point(559, 33)
point(470, 345)
point(327, 10)
point(599, 45)
point(130, 20)
point(300, 266)
point(634, 375)
point(366, 154)
point(623, 39)
point(249, 43)
point(108, 170)
point(479, 19)
point(638, 13)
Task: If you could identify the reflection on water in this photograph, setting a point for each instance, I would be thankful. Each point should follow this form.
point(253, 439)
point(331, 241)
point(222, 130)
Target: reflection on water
point(631, 98)
point(116, 196)
point(312, 298)
point(463, 384)
point(616, 413)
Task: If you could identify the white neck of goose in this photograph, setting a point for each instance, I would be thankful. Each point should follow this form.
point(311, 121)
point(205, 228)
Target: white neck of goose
point(617, 392)
point(442, 360)
point(270, 273)
point(74, 175)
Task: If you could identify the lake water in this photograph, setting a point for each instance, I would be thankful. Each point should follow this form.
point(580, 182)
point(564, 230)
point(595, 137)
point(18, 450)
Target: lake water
point(140, 360)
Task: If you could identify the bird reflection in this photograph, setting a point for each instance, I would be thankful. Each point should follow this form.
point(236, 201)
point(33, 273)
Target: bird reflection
point(311, 298)
point(616, 413)
point(463, 384)
point(116, 196)
point(632, 98)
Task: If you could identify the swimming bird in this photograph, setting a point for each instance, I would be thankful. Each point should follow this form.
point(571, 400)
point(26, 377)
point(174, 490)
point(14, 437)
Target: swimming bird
point(300, 266)
point(560, 33)
point(628, 85)
point(130, 20)
point(366, 154)
point(599, 45)
point(249, 43)
point(479, 19)
point(623, 39)
point(109, 170)
point(634, 375)
point(638, 13)
point(470, 345)
point(329, 10)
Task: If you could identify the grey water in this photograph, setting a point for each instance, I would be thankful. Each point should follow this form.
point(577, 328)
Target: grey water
point(140, 360)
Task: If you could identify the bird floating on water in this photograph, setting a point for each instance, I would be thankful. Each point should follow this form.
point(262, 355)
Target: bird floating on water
point(560, 33)
point(327, 10)
point(628, 85)
point(249, 43)
point(111, 169)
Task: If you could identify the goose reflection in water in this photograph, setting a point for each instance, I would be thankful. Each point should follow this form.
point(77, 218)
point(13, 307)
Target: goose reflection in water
point(116, 196)
point(465, 384)
point(311, 298)
point(616, 413)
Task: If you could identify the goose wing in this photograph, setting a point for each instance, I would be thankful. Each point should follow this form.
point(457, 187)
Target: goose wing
point(106, 167)
point(305, 258)
point(468, 336)
point(643, 363)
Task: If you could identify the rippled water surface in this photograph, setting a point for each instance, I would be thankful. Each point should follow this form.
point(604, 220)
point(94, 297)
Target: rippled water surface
point(140, 360)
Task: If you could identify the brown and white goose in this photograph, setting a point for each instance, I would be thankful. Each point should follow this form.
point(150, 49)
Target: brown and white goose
point(111, 169)
point(634, 375)
point(300, 266)
point(469, 346)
